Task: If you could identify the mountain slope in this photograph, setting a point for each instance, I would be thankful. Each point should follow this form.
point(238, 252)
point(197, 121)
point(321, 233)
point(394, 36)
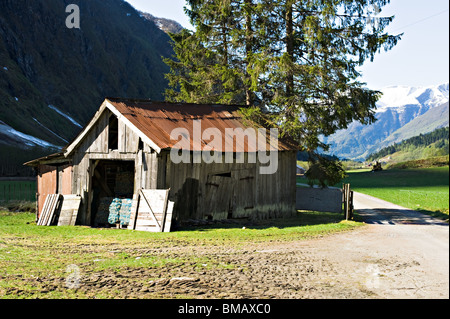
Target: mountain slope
point(435, 118)
point(422, 146)
point(399, 106)
point(53, 79)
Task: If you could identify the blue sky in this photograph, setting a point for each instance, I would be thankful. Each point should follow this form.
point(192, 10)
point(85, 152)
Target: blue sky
point(421, 58)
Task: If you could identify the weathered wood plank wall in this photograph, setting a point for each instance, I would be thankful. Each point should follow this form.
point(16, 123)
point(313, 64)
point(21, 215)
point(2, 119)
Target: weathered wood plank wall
point(244, 193)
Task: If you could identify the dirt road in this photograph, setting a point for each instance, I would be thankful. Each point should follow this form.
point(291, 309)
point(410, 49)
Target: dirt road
point(409, 251)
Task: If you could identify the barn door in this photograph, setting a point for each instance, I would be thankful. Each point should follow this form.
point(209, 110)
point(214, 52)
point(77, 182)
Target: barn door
point(243, 192)
point(219, 193)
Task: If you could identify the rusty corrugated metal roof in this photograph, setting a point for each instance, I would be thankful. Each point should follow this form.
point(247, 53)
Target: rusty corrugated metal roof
point(157, 120)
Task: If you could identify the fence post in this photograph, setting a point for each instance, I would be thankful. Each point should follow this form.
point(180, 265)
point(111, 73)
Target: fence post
point(348, 202)
point(351, 203)
point(344, 201)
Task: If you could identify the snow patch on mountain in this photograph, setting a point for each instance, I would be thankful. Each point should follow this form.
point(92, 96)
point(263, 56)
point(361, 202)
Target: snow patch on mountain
point(63, 139)
point(22, 138)
point(54, 108)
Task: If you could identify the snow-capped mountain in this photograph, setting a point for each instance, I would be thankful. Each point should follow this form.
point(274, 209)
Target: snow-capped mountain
point(399, 97)
point(398, 106)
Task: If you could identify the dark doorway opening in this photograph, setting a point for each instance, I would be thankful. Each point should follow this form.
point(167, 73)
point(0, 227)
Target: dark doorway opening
point(113, 133)
point(112, 181)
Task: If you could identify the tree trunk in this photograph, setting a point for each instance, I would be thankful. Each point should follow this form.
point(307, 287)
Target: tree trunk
point(289, 48)
point(225, 44)
point(248, 51)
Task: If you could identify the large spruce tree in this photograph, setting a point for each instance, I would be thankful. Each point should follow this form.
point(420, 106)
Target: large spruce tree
point(298, 60)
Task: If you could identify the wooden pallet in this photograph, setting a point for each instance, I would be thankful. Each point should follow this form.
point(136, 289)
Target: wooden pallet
point(63, 208)
point(48, 210)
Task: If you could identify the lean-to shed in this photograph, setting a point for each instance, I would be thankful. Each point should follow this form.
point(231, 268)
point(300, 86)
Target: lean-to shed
point(131, 145)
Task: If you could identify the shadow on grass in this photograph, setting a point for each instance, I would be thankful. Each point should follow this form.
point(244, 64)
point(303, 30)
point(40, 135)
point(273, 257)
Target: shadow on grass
point(302, 218)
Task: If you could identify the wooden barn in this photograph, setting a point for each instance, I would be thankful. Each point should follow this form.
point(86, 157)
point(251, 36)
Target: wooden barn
point(127, 149)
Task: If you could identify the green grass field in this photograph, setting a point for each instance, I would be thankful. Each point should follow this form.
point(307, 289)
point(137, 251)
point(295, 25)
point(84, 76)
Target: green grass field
point(425, 189)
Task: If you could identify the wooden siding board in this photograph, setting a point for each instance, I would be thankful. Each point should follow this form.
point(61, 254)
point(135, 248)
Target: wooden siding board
point(96, 140)
point(243, 192)
point(153, 171)
point(138, 172)
point(218, 196)
point(65, 181)
point(122, 142)
point(128, 139)
point(168, 223)
point(132, 141)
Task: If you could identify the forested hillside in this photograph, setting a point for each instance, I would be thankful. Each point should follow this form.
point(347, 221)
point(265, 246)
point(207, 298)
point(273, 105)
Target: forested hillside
point(435, 143)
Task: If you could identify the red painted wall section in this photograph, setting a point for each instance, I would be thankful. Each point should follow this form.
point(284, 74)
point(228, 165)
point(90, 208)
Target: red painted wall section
point(46, 184)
